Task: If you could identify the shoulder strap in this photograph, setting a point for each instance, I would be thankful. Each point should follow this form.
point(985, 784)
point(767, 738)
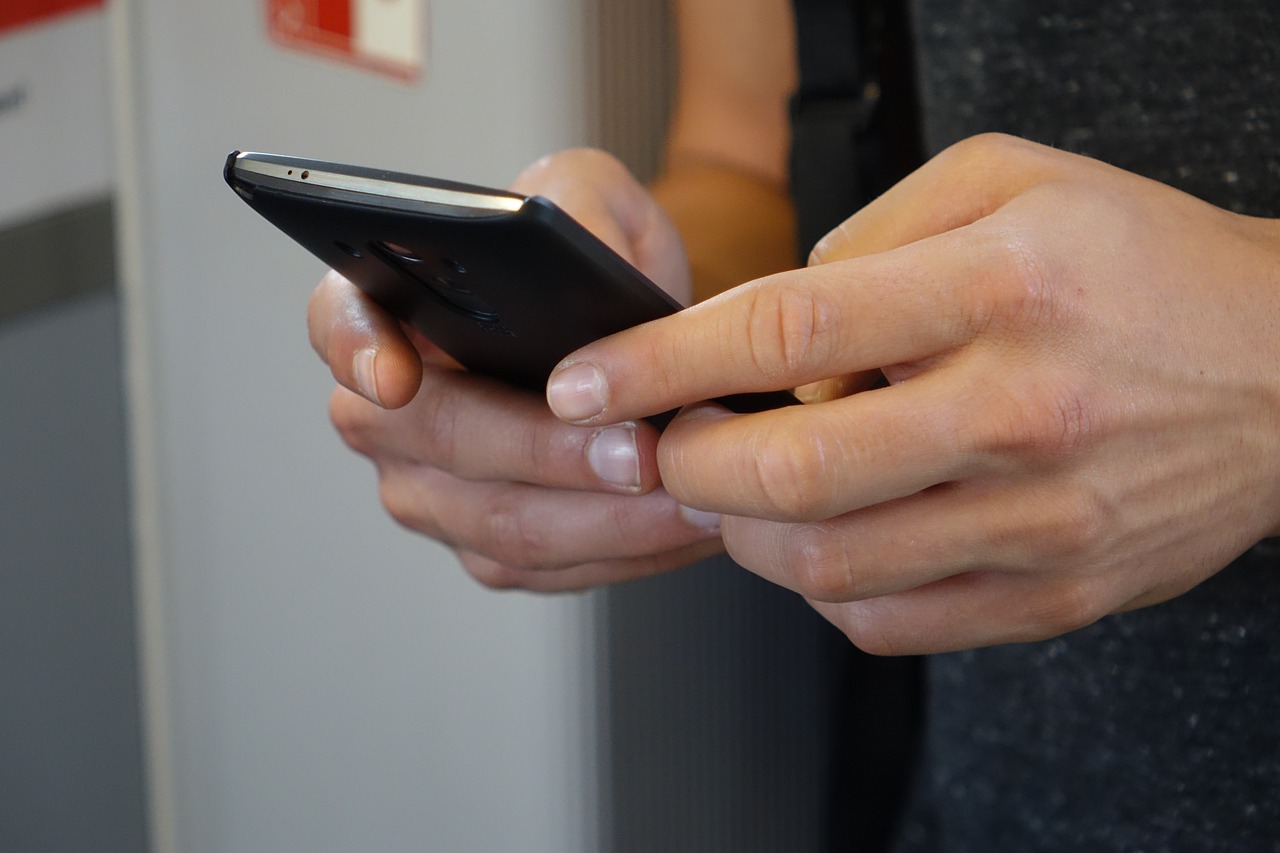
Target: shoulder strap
point(855, 69)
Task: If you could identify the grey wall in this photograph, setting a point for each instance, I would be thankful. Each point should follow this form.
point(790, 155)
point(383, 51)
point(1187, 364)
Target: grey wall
point(70, 744)
point(318, 678)
point(715, 687)
point(718, 690)
point(71, 770)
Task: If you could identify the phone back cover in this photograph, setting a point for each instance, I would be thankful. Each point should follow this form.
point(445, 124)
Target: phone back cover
point(508, 296)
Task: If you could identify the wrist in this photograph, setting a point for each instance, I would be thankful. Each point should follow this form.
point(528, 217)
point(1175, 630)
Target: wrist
point(737, 226)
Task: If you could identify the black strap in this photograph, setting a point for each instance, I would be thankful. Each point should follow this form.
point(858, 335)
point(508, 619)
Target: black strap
point(854, 134)
point(853, 124)
point(829, 63)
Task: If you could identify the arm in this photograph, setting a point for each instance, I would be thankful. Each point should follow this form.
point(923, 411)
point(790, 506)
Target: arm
point(724, 183)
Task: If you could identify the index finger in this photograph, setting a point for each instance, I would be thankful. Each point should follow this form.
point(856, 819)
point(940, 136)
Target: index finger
point(792, 329)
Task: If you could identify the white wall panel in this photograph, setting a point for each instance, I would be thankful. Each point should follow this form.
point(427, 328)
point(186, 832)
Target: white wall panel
point(320, 679)
point(53, 116)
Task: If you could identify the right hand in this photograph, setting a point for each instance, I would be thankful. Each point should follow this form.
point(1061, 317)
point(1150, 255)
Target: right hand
point(525, 500)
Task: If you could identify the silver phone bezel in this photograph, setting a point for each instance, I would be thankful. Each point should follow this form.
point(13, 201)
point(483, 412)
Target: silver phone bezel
point(460, 202)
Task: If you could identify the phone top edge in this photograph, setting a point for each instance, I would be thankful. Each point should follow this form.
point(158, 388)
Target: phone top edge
point(229, 168)
point(367, 182)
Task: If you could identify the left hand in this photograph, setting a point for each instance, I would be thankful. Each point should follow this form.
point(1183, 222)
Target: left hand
point(523, 499)
point(1083, 416)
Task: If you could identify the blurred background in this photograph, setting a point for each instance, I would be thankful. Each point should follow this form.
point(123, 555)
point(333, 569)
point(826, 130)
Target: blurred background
point(211, 636)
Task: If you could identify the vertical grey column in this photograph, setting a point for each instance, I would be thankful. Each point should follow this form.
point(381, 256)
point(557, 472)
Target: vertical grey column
point(716, 687)
point(71, 774)
point(630, 68)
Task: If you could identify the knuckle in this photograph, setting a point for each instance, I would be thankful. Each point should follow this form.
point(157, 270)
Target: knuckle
point(619, 522)
point(1045, 422)
point(1074, 531)
point(988, 165)
point(350, 418)
point(823, 567)
point(985, 152)
point(563, 171)
point(548, 163)
point(496, 576)
point(792, 329)
point(438, 426)
point(1068, 605)
point(1060, 532)
point(1020, 290)
point(550, 448)
point(399, 505)
point(1067, 423)
point(793, 478)
point(1060, 423)
point(509, 534)
point(315, 325)
point(582, 155)
point(868, 626)
point(320, 312)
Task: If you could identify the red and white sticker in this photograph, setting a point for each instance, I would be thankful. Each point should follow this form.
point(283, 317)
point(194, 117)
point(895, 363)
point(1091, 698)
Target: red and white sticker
point(20, 13)
point(388, 36)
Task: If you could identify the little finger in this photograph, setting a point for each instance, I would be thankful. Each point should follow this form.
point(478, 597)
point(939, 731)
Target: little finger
point(481, 429)
point(531, 527)
point(973, 610)
point(496, 575)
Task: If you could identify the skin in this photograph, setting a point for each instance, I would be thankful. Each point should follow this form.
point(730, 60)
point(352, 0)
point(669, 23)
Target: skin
point(1083, 413)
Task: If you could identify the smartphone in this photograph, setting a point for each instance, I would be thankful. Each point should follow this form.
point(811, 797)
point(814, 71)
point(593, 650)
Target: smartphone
point(506, 285)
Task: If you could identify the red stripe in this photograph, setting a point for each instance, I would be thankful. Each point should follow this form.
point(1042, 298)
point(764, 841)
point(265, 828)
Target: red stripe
point(334, 16)
point(20, 13)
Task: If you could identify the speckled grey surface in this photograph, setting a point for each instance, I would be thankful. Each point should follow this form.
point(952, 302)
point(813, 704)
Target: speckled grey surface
point(1183, 91)
point(1157, 730)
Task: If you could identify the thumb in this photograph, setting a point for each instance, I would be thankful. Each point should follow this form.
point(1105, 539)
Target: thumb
point(597, 190)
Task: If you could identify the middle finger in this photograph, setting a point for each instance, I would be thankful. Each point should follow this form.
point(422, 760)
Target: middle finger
point(478, 428)
point(530, 527)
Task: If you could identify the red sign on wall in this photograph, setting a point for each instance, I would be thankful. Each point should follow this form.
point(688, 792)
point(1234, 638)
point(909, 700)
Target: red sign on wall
point(383, 35)
point(20, 13)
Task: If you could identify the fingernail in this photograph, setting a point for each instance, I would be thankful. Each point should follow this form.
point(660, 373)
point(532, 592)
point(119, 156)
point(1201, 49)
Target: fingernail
point(366, 376)
point(613, 456)
point(811, 393)
point(701, 519)
point(577, 393)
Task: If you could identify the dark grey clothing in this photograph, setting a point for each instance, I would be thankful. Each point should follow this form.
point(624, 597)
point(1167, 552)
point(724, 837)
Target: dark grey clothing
point(1183, 91)
point(1158, 729)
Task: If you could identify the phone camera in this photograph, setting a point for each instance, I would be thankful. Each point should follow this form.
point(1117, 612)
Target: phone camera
point(404, 254)
point(450, 284)
point(449, 291)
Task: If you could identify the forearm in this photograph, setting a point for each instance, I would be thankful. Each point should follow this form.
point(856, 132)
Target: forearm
point(736, 226)
point(724, 183)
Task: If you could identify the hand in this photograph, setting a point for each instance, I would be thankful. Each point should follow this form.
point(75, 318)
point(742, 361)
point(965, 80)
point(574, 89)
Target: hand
point(1083, 416)
point(526, 500)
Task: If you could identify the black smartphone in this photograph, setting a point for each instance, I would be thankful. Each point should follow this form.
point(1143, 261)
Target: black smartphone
point(506, 285)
